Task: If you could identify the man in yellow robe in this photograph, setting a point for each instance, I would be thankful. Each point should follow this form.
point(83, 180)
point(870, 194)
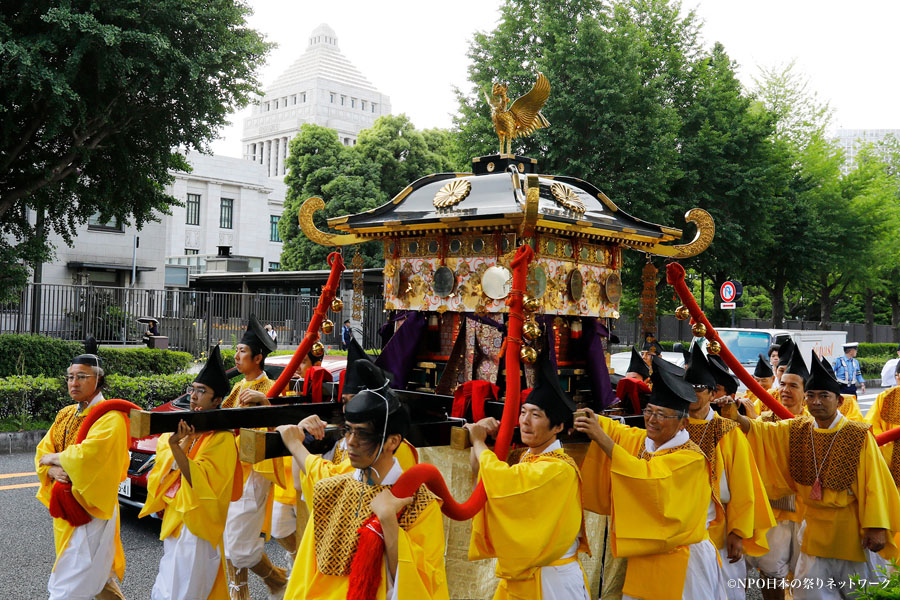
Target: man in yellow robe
point(413, 544)
point(252, 514)
point(784, 539)
point(833, 465)
point(655, 485)
point(743, 514)
point(192, 484)
point(90, 555)
point(536, 558)
point(884, 414)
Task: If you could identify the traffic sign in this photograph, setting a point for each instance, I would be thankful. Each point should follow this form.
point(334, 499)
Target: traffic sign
point(728, 305)
point(731, 291)
point(727, 292)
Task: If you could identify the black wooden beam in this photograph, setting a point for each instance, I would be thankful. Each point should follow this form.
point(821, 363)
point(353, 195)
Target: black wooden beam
point(145, 422)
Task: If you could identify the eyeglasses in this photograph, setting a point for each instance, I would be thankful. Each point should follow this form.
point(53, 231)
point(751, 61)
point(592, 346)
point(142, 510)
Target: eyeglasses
point(700, 388)
point(80, 377)
point(364, 437)
point(191, 390)
point(650, 415)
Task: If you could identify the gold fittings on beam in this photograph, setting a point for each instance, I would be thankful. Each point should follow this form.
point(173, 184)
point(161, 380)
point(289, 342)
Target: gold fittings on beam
point(309, 229)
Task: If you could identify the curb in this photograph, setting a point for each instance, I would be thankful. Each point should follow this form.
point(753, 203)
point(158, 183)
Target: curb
point(12, 442)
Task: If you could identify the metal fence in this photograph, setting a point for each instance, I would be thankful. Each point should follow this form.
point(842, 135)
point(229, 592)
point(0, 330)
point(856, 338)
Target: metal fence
point(192, 320)
point(671, 329)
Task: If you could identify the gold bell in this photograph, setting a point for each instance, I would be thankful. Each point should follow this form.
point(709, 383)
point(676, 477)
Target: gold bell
point(528, 355)
point(531, 330)
point(714, 347)
point(337, 305)
point(531, 304)
point(318, 349)
point(699, 330)
point(682, 313)
point(327, 326)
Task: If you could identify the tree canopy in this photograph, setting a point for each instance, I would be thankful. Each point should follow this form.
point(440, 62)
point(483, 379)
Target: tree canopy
point(351, 179)
point(100, 101)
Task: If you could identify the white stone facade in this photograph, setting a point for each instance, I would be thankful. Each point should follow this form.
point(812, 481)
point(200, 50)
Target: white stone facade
point(102, 254)
point(850, 141)
point(321, 87)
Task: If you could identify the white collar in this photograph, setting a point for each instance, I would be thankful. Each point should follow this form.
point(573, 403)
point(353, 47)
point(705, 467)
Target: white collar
point(556, 445)
point(710, 414)
point(837, 419)
point(257, 378)
point(98, 397)
point(390, 479)
point(678, 439)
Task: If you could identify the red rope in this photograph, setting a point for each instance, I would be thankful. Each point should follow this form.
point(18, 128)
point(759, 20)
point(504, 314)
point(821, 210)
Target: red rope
point(675, 278)
point(312, 331)
point(63, 504)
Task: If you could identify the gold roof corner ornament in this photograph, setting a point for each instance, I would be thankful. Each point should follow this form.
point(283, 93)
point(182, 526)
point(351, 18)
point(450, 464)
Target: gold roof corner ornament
point(309, 229)
point(706, 230)
point(523, 117)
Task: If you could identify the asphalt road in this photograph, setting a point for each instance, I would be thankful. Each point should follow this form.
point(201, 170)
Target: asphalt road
point(26, 548)
point(27, 554)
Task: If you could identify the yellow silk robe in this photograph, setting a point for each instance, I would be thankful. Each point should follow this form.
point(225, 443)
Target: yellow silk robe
point(96, 466)
point(273, 469)
point(657, 504)
point(420, 566)
point(833, 524)
point(506, 528)
point(884, 414)
point(202, 505)
point(850, 408)
point(748, 513)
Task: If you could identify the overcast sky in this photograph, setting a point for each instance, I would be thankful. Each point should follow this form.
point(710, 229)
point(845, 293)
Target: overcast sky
point(415, 51)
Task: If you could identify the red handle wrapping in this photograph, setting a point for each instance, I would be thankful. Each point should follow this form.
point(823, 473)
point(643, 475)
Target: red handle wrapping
point(336, 261)
point(891, 435)
point(428, 474)
point(675, 278)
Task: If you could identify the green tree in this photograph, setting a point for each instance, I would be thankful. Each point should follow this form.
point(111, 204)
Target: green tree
point(352, 179)
point(96, 95)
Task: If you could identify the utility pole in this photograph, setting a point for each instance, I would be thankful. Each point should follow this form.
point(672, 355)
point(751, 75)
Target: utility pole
point(38, 273)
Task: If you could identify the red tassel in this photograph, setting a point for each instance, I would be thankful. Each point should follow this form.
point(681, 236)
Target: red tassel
point(368, 562)
point(63, 505)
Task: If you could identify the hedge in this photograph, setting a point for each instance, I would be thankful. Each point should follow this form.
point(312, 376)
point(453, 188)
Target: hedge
point(38, 355)
point(41, 398)
point(136, 362)
point(880, 350)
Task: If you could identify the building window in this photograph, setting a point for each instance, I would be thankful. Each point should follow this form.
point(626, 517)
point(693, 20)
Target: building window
point(276, 105)
point(362, 104)
point(95, 223)
point(191, 251)
point(226, 211)
point(193, 209)
point(352, 102)
point(343, 100)
point(373, 107)
point(303, 97)
point(274, 266)
point(332, 97)
point(273, 228)
point(294, 99)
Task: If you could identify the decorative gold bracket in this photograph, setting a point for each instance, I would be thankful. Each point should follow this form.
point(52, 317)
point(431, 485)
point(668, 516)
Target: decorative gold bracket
point(532, 201)
point(309, 229)
point(706, 230)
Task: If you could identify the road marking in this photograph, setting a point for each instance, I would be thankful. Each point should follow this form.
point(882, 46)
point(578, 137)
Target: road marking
point(8, 475)
point(16, 486)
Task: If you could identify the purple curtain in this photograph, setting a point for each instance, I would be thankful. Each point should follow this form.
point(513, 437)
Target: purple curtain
point(594, 332)
point(399, 354)
point(386, 331)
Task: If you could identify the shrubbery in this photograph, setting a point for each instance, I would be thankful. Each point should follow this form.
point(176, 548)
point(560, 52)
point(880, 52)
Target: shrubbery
point(38, 355)
point(42, 397)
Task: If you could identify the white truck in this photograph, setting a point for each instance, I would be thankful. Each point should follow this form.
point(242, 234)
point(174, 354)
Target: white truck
point(747, 344)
